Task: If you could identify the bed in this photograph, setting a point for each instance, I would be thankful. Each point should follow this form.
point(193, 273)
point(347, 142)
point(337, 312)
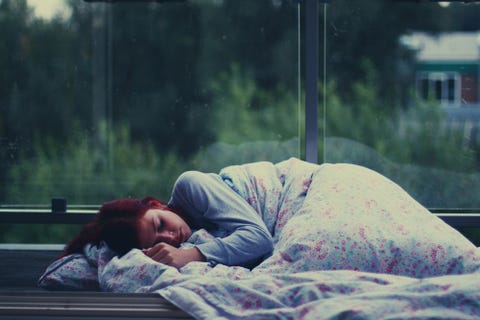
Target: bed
point(349, 244)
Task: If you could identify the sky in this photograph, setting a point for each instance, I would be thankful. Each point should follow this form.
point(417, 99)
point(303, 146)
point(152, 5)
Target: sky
point(48, 8)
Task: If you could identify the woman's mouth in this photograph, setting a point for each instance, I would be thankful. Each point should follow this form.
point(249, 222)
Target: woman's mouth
point(181, 236)
point(178, 238)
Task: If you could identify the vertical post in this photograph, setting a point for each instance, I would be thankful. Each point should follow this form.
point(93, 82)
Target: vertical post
point(311, 81)
point(99, 84)
point(109, 84)
point(102, 34)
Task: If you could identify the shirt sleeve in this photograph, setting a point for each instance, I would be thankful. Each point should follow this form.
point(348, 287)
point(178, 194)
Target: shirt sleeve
point(210, 203)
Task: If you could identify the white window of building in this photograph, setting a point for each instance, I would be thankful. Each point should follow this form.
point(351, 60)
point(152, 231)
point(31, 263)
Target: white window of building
point(440, 86)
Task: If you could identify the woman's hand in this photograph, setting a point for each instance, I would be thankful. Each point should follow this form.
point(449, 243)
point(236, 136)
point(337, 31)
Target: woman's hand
point(172, 256)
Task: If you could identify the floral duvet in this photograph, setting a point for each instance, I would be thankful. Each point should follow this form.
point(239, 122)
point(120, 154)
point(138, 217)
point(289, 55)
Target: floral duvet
point(349, 244)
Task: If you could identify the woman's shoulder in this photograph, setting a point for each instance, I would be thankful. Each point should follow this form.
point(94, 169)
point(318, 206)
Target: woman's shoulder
point(197, 183)
point(194, 177)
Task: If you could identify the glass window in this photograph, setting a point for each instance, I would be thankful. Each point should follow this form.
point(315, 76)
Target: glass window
point(103, 100)
point(451, 90)
point(442, 87)
point(401, 95)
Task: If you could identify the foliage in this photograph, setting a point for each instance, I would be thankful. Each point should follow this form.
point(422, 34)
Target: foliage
point(81, 175)
point(369, 30)
point(88, 114)
point(414, 147)
point(248, 113)
point(86, 174)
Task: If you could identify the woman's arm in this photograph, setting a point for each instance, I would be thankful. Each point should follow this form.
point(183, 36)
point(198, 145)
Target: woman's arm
point(213, 204)
point(175, 257)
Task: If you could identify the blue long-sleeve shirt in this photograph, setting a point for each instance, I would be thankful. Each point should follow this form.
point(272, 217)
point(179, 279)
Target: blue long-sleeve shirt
point(211, 204)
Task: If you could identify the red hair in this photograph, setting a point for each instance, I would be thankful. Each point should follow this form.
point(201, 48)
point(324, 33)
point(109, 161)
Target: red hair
point(116, 223)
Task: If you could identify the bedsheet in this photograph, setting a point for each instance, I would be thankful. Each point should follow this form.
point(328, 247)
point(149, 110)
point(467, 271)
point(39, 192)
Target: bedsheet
point(235, 293)
point(348, 243)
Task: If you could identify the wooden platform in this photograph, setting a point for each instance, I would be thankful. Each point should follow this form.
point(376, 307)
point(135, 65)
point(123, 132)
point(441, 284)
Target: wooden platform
point(22, 264)
point(85, 305)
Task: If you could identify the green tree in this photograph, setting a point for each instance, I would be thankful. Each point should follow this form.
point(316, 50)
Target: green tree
point(369, 31)
point(121, 98)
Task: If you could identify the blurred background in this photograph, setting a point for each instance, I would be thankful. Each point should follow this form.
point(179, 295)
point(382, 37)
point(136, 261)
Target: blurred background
point(107, 100)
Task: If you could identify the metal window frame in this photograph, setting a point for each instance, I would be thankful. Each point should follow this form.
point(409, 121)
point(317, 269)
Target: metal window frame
point(454, 217)
point(311, 80)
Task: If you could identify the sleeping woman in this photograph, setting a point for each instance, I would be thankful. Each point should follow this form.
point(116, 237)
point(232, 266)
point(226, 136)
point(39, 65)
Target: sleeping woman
point(288, 217)
point(326, 239)
point(199, 200)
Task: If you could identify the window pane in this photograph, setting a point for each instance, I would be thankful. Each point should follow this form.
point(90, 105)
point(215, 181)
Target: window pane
point(451, 90)
point(374, 52)
point(424, 88)
point(116, 100)
point(438, 88)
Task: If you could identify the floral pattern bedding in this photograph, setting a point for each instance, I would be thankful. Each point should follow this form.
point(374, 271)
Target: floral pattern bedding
point(349, 243)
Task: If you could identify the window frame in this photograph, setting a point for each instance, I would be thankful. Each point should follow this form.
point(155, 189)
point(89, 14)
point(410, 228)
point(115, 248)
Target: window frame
point(431, 78)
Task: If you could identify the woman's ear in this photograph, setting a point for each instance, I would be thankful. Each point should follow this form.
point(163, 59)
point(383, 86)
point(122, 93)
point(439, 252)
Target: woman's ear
point(152, 202)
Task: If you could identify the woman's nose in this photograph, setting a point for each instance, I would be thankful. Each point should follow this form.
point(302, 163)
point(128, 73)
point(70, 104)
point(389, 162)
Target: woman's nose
point(167, 236)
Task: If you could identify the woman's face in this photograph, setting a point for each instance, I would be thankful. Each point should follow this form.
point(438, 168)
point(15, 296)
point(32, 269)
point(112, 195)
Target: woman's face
point(159, 225)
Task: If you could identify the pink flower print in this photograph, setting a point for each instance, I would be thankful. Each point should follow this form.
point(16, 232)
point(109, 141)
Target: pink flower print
point(286, 257)
point(437, 253)
point(401, 230)
point(322, 253)
point(336, 188)
point(370, 203)
point(391, 266)
point(306, 185)
point(361, 232)
point(304, 311)
point(251, 301)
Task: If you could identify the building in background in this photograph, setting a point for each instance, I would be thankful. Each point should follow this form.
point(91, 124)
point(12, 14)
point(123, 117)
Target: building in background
point(448, 71)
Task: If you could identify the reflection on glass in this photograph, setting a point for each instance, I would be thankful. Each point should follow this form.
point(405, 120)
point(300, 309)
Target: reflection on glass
point(402, 95)
point(115, 100)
